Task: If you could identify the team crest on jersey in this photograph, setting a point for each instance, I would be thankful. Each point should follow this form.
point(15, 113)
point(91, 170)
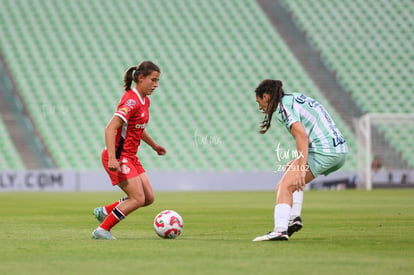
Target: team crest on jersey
point(130, 103)
point(125, 169)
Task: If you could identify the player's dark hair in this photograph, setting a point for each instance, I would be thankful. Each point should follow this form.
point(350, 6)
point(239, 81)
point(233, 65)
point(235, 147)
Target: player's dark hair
point(145, 68)
point(275, 90)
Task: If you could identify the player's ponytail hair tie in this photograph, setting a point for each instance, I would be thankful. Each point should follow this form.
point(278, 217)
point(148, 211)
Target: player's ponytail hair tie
point(133, 74)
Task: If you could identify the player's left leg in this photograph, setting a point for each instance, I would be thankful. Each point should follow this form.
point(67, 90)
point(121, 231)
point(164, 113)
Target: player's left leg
point(295, 221)
point(285, 189)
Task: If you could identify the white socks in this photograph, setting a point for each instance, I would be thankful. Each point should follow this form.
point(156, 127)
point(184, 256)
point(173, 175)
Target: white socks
point(283, 212)
point(282, 215)
point(297, 204)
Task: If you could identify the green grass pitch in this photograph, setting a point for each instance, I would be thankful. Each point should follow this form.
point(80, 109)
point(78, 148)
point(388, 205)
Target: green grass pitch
point(345, 232)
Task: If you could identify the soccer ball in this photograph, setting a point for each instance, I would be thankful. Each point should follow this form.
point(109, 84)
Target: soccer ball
point(168, 224)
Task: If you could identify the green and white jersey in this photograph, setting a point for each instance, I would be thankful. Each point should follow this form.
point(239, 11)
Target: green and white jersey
point(324, 137)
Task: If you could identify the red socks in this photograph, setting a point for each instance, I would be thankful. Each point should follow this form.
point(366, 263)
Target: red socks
point(113, 218)
point(111, 207)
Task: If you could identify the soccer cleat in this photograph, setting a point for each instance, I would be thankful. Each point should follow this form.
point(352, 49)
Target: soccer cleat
point(295, 225)
point(102, 234)
point(99, 214)
point(272, 236)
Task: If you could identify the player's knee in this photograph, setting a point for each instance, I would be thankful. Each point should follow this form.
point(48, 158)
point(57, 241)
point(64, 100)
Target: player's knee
point(292, 187)
point(137, 202)
point(149, 200)
point(286, 186)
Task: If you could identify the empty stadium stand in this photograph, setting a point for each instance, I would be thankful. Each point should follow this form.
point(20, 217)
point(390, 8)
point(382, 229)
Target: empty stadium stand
point(368, 45)
point(68, 59)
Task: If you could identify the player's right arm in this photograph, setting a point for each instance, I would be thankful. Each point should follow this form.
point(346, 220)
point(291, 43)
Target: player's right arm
point(110, 135)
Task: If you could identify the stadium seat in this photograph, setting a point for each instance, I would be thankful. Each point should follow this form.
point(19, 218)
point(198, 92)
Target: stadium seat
point(9, 157)
point(69, 68)
point(369, 47)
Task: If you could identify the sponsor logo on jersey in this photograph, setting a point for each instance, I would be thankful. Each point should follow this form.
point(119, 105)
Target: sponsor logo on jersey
point(338, 140)
point(140, 126)
point(130, 103)
point(301, 99)
point(312, 103)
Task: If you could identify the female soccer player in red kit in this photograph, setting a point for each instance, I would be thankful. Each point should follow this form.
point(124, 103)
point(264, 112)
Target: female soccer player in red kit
point(123, 135)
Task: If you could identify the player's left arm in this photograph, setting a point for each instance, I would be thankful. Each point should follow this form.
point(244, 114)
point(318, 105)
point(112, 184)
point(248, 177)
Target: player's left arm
point(155, 146)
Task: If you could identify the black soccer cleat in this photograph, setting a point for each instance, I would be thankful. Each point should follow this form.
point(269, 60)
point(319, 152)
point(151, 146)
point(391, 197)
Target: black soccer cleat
point(294, 225)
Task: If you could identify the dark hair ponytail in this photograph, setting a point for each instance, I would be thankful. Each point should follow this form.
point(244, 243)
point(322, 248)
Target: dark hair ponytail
point(145, 68)
point(275, 90)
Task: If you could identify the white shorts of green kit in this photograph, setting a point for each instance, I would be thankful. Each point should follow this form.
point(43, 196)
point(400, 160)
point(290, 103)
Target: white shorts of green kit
point(324, 164)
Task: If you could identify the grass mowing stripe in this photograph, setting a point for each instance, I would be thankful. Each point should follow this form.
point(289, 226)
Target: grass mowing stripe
point(346, 232)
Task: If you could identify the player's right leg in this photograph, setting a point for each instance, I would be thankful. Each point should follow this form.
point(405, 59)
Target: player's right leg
point(136, 197)
point(101, 212)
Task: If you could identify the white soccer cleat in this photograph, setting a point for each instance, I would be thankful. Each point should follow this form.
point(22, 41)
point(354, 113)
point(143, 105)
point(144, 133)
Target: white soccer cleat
point(272, 236)
point(102, 234)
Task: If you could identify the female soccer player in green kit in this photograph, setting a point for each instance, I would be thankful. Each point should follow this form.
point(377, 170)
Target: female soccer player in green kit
point(320, 146)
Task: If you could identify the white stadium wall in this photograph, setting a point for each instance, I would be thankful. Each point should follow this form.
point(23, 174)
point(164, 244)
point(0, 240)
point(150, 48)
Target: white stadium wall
point(64, 180)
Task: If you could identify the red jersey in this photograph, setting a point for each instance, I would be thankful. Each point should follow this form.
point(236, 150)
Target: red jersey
point(133, 110)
